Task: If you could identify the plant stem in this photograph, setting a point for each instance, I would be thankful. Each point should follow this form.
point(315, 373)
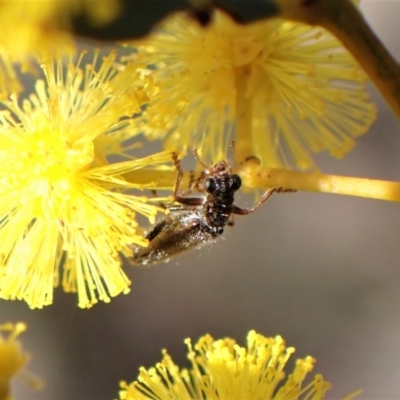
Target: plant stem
point(261, 177)
point(163, 180)
point(255, 176)
point(243, 136)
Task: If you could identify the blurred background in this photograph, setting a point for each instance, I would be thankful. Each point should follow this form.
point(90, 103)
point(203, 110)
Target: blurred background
point(323, 271)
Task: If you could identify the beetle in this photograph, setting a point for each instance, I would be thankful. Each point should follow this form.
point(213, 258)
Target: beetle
point(196, 221)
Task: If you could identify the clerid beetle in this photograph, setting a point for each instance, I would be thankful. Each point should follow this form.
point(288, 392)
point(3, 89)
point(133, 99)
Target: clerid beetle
point(196, 221)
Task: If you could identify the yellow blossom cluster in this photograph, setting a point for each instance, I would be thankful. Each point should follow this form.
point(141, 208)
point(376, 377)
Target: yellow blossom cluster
point(28, 27)
point(280, 89)
point(221, 369)
point(65, 211)
point(12, 358)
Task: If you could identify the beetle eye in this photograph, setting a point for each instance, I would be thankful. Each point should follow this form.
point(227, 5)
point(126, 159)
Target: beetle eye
point(210, 185)
point(236, 182)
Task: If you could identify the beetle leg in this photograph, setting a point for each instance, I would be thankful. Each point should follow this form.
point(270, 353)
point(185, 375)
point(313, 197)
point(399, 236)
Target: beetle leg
point(191, 186)
point(188, 201)
point(264, 198)
point(178, 167)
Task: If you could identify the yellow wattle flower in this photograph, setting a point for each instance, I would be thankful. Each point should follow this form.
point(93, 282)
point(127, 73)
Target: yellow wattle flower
point(12, 358)
point(280, 89)
point(222, 370)
point(29, 26)
point(65, 214)
point(9, 80)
